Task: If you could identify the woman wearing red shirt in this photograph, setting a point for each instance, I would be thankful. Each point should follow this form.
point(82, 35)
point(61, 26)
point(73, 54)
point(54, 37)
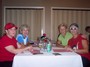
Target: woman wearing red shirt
point(79, 45)
point(9, 46)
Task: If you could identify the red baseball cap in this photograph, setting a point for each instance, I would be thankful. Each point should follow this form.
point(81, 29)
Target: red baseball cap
point(9, 26)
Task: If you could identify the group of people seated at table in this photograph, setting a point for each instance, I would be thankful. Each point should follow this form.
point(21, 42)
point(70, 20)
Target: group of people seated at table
point(72, 40)
point(69, 39)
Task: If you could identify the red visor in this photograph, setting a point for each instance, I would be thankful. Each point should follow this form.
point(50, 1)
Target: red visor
point(9, 26)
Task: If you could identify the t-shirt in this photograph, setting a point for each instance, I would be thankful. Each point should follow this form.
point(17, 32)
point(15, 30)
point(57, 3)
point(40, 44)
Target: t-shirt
point(4, 54)
point(21, 39)
point(78, 43)
point(64, 39)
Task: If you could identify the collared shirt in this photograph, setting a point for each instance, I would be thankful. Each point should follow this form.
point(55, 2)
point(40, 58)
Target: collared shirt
point(64, 39)
point(21, 39)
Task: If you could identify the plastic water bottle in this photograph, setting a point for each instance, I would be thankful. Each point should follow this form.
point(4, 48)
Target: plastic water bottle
point(49, 47)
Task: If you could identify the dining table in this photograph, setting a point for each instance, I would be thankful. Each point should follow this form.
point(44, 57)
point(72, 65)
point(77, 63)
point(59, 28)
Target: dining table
point(57, 57)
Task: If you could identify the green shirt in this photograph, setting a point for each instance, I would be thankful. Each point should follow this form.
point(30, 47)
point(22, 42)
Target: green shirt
point(64, 39)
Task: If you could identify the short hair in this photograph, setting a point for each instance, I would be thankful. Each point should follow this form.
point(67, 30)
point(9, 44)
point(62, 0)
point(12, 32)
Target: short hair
point(62, 25)
point(86, 28)
point(22, 27)
point(74, 24)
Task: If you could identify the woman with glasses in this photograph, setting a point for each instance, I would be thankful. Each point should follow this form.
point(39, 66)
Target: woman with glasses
point(79, 44)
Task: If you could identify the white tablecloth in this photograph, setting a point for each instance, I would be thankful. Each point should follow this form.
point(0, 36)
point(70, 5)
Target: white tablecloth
point(66, 59)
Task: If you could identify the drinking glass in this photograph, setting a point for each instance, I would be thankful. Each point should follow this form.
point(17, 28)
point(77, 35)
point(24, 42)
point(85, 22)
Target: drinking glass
point(40, 45)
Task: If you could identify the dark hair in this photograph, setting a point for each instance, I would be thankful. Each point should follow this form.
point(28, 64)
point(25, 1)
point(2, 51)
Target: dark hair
point(74, 24)
point(86, 28)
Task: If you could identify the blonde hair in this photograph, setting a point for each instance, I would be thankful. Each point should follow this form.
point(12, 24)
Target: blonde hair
point(22, 27)
point(62, 25)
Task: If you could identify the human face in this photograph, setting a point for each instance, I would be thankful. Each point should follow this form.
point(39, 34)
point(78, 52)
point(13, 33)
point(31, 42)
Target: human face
point(63, 30)
point(74, 30)
point(25, 32)
point(11, 32)
point(88, 30)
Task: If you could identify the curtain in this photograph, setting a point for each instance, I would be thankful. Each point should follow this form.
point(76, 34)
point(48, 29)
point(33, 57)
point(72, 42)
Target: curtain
point(33, 17)
point(68, 16)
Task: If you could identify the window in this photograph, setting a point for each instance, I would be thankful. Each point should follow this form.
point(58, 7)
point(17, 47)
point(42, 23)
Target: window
point(68, 16)
point(32, 16)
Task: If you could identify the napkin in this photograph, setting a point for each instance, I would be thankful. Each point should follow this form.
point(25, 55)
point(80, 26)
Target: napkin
point(34, 52)
point(61, 50)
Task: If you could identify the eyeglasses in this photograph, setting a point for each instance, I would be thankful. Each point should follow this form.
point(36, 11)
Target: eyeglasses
point(73, 28)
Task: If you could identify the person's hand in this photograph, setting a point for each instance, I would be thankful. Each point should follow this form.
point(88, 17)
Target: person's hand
point(28, 44)
point(68, 48)
point(30, 48)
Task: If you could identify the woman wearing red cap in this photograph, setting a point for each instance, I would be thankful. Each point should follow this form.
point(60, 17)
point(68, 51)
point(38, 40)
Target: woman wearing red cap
point(9, 46)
